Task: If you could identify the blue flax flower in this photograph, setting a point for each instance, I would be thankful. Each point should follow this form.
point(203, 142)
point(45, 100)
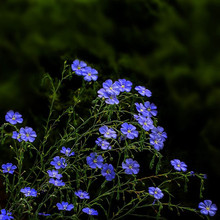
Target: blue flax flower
point(103, 144)
point(150, 109)
point(159, 131)
point(8, 168)
point(28, 134)
point(58, 162)
point(13, 117)
point(143, 91)
point(54, 174)
point(94, 161)
point(78, 67)
point(155, 192)
point(16, 135)
point(207, 208)
point(89, 74)
point(82, 194)
point(102, 93)
point(67, 152)
point(131, 166)
point(108, 172)
point(146, 123)
point(65, 206)
point(157, 142)
point(5, 215)
point(107, 132)
point(90, 211)
point(124, 85)
point(29, 192)
point(111, 88)
point(178, 165)
point(56, 182)
point(111, 99)
point(129, 130)
point(140, 108)
point(43, 214)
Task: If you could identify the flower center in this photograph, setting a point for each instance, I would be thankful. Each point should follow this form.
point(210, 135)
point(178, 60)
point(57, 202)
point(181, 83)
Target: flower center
point(90, 211)
point(178, 165)
point(78, 67)
point(89, 74)
point(108, 171)
point(130, 167)
point(149, 109)
point(13, 118)
point(122, 86)
point(145, 123)
point(95, 161)
point(129, 131)
point(207, 208)
point(58, 163)
point(27, 135)
point(155, 192)
point(107, 133)
point(110, 88)
point(8, 169)
point(65, 206)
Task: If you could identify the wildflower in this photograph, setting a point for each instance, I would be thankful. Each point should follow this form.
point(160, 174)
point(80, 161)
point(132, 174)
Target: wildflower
point(146, 123)
point(67, 152)
point(16, 135)
point(13, 117)
point(94, 161)
point(90, 211)
point(150, 109)
point(178, 165)
point(65, 206)
point(28, 134)
point(78, 67)
point(156, 192)
point(103, 144)
point(124, 85)
point(107, 132)
point(143, 91)
point(56, 182)
point(58, 162)
point(129, 130)
point(5, 215)
point(108, 172)
point(157, 142)
point(29, 192)
point(159, 131)
point(131, 166)
point(102, 93)
point(89, 74)
point(82, 194)
point(140, 107)
point(54, 174)
point(111, 88)
point(8, 168)
point(44, 214)
point(207, 208)
point(111, 99)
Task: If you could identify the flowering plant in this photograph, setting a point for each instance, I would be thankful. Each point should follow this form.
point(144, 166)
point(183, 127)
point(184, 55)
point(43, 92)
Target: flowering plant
point(95, 166)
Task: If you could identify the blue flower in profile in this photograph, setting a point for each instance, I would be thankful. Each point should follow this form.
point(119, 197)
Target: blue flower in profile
point(107, 132)
point(94, 161)
point(111, 88)
point(28, 134)
point(178, 165)
point(131, 166)
point(54, 174)
point(103, 144)
point(108, 172)
point(29, 192)
point(58, 162)
point(89, 74)
point(78, 67)
point(129, 130)
point(143, 91)
point(82, 194)
point(155, 192)
point(124, 85)
point(56, 182)
point(146, 123)
point(207, 208)
point(13, 117)
point(111, 99)
point(102, 93)
point(150, 109)
point(65, 206)
point(16, 135)
point(157, 142)
point(159, 131)
point(5, 215)
point(90, 211)
point(8, 168)
point(67, 152)
point(43, 214)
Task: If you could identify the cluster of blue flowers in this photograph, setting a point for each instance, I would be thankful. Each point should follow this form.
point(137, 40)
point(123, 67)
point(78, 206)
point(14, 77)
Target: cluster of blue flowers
point(5, 215)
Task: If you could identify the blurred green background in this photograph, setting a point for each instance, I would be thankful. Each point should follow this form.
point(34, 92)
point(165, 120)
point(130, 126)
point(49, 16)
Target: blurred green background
point(171, 47)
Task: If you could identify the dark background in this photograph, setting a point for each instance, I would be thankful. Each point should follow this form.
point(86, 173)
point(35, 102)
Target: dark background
point(171, 47)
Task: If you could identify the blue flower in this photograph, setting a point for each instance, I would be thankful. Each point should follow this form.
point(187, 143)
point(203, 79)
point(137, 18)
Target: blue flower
point(58, 162)
point(146, 123)
point(178, 165)
point(78, 67)
point(89, 74)
point(28, 134)
point(103, 144)
point(29, 192)
point(129, 130)
point(207, 208)
point(155, 192)
point(54, 174)
point(65, 206)
point(13, 117)
point(131, 166)
point(111, 99)
point(111, 88)
point(108, 172)
point(107, 132)
point(5, 215)
point(56, 182)
point(8, 168)
point(140, 107)
point(102, 93)
point(143, 91)
point(90, 211)
point(67, 152)
point(82, 194)
point(159, 131)
point(94, 161)
point(16, 136)
point(44, 214)
point(157, 142)
point(124, 85)
point(150, 109)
